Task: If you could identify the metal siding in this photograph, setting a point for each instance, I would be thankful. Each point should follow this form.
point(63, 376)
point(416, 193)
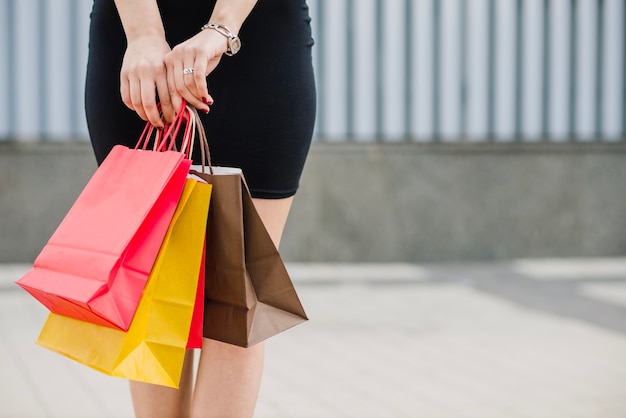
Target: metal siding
point(80, 48)
point(505, 71)
point(450, 68)
point(386, 70)
point(364, 70)
point(532, 68)
point(26, 62)
point(585, 121)
point(558, 70)
point(5, 85)
point(392, 57)
point(57, 120)
point(613, 70)
point(477, 70)
point(422, 118)
point(332, 93)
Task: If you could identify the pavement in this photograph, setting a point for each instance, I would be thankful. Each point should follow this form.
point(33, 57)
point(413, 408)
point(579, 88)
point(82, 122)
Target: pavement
point(542, 338)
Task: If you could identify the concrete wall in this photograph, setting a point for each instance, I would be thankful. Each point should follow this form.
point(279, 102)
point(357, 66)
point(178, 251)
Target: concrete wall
point(410, 202)
point(38, 184)
point(383, 202)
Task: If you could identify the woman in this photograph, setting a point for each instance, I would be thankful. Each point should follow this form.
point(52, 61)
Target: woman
point(258, 107)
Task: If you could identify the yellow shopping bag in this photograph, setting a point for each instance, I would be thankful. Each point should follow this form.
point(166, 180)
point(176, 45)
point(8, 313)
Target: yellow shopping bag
point(153, 348)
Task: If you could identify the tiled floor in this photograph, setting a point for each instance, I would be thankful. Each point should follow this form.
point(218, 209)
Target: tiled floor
point(501, 340)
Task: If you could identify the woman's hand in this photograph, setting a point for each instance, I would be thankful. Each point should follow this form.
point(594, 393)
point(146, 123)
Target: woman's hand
point(144, 75)
point(201, 53)
point(149, 64)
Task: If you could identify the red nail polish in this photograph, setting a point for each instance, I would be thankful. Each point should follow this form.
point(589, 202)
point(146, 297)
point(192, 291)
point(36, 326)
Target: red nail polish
point(206, 111)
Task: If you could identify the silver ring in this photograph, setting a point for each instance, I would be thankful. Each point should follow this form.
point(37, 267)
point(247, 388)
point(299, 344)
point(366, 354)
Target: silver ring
point(188, 71)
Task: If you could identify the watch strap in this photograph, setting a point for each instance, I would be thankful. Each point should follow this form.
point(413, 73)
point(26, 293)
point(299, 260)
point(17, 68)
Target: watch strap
point(234, 43)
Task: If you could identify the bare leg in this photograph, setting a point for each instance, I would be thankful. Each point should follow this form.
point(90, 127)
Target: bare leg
point(229, 377)
point(151, 401)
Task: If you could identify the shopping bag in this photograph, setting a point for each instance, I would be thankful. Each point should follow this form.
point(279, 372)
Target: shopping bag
point(95, 265)
point(197, 319)
point(153, 348)
point(249, 294)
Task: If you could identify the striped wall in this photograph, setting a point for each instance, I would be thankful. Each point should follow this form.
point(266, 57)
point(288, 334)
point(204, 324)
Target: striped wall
point(390, 70)
point(472, 70)
point(43, 50)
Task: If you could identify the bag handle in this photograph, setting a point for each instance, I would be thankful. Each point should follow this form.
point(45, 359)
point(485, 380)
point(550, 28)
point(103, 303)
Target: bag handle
point(165, 139)
point(193, 125)
point(145, 136)
point(197, 126)
point(170, 131)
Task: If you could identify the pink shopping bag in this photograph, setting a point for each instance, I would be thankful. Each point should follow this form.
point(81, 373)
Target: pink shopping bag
point(96, 264)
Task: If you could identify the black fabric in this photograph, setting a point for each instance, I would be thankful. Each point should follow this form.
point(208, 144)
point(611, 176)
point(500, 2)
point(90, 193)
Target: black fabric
point(264, 111)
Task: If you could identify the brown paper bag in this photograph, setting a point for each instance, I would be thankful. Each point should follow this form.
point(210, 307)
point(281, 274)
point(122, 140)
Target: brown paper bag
point(249, 295)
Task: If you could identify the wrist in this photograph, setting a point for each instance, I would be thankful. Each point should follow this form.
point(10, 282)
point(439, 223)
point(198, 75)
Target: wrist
point(226, 18)
point(140, 19)
point(139, 33)
point(233, 43)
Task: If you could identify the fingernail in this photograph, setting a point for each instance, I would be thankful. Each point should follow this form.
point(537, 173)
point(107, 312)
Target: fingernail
point(206, 111)
point(205, 100)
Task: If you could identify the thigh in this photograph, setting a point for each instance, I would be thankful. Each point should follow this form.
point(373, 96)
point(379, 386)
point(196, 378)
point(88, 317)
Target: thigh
point(274, 213)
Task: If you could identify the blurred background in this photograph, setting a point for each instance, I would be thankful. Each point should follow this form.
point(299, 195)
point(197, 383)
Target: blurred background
point(446, 130)
point(458, 240)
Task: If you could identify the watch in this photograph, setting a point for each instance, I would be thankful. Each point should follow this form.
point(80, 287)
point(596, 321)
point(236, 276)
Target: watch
point(234, 43)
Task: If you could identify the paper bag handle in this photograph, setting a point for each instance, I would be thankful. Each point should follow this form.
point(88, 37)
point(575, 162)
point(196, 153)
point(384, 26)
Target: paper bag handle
point(165, 139)
point(197, 126)
point(193, 125)
point(145, 136)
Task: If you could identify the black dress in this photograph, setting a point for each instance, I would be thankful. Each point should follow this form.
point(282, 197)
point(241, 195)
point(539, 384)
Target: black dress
point(264, 111)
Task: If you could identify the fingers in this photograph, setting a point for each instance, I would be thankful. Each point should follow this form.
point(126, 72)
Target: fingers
point(143, 76)
point(125, 92)
point(140, 95)
point(165, 99)
point(131, 96)
point(185, 77)
point(135, 98)
point(176, 98)
point(193, 59)
point(186, 87)
point(187, 71)
point(148, 100)
point(200, 87)
point(150, 69)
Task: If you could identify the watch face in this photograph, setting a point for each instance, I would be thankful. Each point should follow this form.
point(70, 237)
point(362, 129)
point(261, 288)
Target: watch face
point(234, 45)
